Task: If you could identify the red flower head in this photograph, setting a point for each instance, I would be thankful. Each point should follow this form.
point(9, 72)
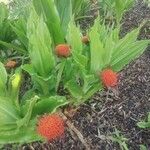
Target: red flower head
point(50, 126)
point(62, 50)
point(109, 78)
point(85, 39)
point(11, 64)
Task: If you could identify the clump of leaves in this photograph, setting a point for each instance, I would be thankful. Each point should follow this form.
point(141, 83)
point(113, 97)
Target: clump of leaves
point(120, 139)
point(143, 147)
point(113, 10)
point(7, 34)
point(43, 69)
point(106, 50)
point(144, 124)
point(19, 117)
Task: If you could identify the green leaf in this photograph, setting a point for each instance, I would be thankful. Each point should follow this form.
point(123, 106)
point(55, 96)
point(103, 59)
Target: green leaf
point(143, 147)
point(97, 48)
point(148, 117)
point(143, 124)
point(20, 29)
point(74, 38)
point(74, 89)
point(76, 5)
point(94, 88)
point(81, 61)
point(23, 135)
point(3, 80)
point(13, 46)
point(45, 86)
point(108, 49)
point(129, 53)
point(3, 12)
point(14, 87)
point(8, 112)
point(47, 8)
point(64, 8)
point(124, 43)
point(60, 68)
point(40, 46)
point(27, 112)
point(89, 82)
point(48, 105)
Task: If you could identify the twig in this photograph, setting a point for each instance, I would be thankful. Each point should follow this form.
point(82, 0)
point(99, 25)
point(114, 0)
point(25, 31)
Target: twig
point(75, 130)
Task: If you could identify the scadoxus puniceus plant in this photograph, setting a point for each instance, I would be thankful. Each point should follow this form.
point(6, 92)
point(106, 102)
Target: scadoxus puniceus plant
point(96, 65)
point(20, 118)
point(82, 65)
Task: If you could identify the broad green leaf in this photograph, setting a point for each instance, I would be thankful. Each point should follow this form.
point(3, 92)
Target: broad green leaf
point(3, 80)
point(44, 85)
point(23, 135)
point(125, 42)
point(108, 50)
point(143, 124)
point(60, 71)
point(74, 38)
point(20, 29)
point(148, 117)
point(76, 4)
point(64, 8)
point(69, 70)
point(3, 12)
point(119, 6)
point(81, 61)
point(3, 74)
point(8, 112)
point(13, 46)
point(14, 87)
point(74, 89)
point(47, 8)
point(28, 112)
point(40, 46)
point(97, 48)
point(89, 81)
point(48, 105)
point(143, 147)
point(129, 53)
point(94, 88)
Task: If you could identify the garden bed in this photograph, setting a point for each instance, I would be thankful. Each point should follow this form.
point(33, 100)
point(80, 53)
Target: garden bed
point(121, 108)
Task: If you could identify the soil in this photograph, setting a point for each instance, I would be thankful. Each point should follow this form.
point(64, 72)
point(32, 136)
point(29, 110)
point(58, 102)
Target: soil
point(111, 109)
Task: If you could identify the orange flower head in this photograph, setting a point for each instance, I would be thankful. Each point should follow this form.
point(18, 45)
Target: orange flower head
point(85, 39)
point(50, 126)
point(62, 50)
point(11, 64)
point(109, 78)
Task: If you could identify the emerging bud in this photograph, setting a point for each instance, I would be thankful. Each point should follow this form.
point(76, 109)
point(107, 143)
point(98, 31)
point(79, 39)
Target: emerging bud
point(50, 126)
point(11, 64)
point(85, 39)
point(62, 50)
point(109, 78)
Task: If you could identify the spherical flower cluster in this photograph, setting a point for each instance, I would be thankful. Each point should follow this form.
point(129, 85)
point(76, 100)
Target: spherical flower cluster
point(11, 64)
point(50, 126)
point(85, 39)
point(63, 50)
point(109, 78)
